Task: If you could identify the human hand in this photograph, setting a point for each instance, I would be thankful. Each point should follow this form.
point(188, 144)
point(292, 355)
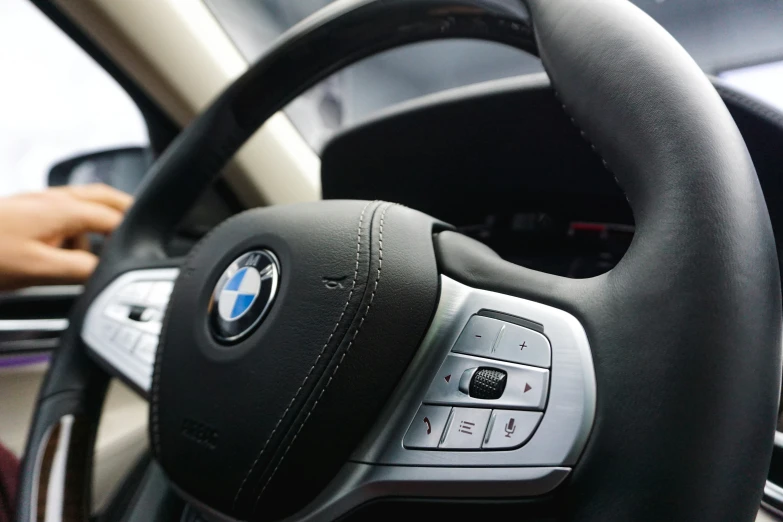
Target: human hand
point(43, 235)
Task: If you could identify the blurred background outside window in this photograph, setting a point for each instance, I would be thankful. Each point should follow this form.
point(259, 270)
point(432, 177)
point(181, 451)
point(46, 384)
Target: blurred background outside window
point(55, 101)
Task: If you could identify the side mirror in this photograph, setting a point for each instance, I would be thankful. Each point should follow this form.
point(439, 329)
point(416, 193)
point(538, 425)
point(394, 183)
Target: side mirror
point(122, 169)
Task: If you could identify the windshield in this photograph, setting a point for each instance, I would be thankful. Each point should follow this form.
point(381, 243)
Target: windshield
point(739, 41)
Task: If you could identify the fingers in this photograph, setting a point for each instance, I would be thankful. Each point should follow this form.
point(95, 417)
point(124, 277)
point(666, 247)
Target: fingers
point(30, 262)
point(34, 226)
point(78, 217)
point(99, 193)
point(60, 264)
point(93, 208)
point(57, 214)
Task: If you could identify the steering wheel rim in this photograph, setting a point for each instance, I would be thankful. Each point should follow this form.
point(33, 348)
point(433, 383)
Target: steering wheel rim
point(703, 250)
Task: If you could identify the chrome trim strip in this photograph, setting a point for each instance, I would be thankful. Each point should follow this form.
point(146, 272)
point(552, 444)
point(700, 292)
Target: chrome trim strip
point(44, 291)
point(39, 454)
point(773, 494)
point(18, 336)
point(357, 484)
point(57, 474)
point(55, 492)
point(33, 325)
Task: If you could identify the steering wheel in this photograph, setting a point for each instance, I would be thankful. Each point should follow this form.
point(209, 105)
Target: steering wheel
point(307, 359)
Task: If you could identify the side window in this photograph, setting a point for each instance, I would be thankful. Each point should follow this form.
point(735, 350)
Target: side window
point(764, 81)
point(56, 105)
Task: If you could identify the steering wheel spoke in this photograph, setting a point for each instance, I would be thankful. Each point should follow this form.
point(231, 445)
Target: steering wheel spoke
point(123, 323)
point(497, 381)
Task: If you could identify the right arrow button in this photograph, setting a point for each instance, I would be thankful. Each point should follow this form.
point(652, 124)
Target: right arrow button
point(526, 387)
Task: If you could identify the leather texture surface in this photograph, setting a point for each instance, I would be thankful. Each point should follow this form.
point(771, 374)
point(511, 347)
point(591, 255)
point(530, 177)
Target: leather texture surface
point(288, 404)
point(686, 330)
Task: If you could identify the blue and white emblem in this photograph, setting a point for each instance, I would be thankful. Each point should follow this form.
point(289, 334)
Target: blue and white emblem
point(244, 294)
point(239, 293)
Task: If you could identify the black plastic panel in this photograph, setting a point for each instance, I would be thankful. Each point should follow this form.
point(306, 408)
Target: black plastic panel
point(498, 147)
point(505, 147)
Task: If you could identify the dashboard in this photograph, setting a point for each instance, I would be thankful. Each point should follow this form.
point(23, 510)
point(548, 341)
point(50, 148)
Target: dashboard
point(554, 243)
point(503, 163)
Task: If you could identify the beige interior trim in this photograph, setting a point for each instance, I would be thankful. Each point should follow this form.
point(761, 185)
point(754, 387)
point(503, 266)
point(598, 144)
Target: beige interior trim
point(177, 51)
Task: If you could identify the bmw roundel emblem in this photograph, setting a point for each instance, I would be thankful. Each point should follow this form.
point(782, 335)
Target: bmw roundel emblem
point(243, 294)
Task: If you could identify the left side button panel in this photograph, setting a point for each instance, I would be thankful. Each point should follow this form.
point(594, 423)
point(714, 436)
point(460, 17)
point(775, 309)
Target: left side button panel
point(123, 323)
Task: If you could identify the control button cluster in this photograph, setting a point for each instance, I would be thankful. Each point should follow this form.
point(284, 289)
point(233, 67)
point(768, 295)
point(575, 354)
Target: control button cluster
point(496, 370)
point(123, 323)
point(132, 319)
point(444, 427)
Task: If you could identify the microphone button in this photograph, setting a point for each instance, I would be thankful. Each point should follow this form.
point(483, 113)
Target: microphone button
point(510, 429)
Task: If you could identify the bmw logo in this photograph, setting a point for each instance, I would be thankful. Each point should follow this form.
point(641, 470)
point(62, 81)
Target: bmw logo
point(243, 295)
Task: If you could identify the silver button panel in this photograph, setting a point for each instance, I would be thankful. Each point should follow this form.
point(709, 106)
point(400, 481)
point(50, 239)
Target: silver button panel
point(549, 393)
point(123, 323)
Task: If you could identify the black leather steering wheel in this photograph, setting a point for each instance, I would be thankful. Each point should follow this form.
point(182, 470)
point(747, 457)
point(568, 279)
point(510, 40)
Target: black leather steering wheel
point(316, 357)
